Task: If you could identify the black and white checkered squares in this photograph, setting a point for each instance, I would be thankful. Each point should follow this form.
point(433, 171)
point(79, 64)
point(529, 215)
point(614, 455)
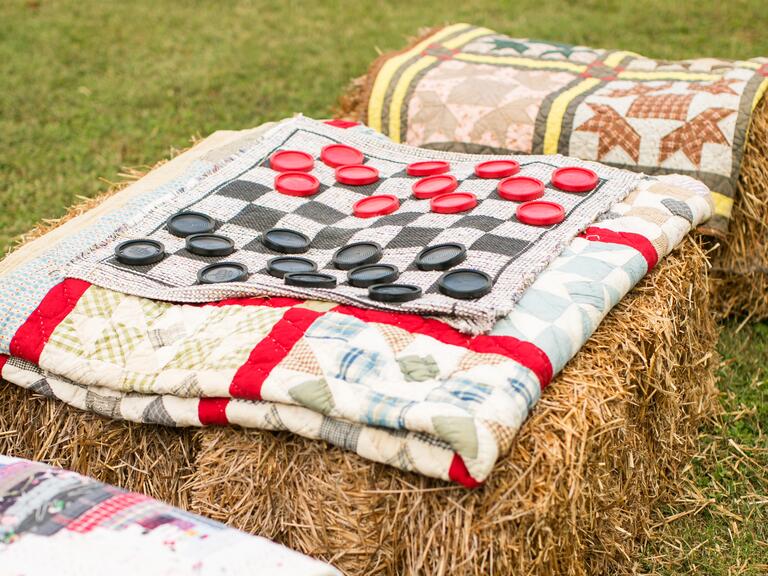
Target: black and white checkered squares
point(242, 200)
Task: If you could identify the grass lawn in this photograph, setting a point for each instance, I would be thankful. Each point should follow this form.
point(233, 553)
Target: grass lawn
point(90, 86)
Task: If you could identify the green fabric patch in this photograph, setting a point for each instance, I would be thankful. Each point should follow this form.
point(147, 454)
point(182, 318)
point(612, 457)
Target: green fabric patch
point(418, 368)
point(314, 395)
point(459, 432)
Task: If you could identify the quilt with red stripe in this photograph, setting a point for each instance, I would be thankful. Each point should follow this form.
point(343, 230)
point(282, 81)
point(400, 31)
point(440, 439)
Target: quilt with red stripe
point(394, 386)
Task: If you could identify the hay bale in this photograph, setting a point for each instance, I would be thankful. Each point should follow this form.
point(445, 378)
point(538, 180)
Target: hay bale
point(575, 495)
point(152, 460)
point(740, 266)
point(605, 442)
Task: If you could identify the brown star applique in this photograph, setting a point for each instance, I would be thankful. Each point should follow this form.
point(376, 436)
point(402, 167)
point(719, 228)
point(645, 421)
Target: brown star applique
point(612, 130)
point(691, 136)
point(722, 86)
point(661, 106)
point(637, 90)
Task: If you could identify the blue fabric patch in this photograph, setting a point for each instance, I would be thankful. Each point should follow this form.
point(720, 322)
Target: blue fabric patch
point(356, 365)
point(543, 305)
point(335, 327)
point(460, 392)
point(557, 345)
point(587, 267)
point(385, 411)
point(587, 294)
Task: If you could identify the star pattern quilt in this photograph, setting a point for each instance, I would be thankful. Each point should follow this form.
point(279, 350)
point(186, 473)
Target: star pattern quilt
point(468, 88)
point(396, 387)
point(53, 521)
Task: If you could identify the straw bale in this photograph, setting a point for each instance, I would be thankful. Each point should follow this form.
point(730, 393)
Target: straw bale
point(740, 266)
point(575, 495)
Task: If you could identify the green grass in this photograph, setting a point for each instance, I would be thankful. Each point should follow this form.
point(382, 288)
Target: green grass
point(723, 527)
point(91, 86)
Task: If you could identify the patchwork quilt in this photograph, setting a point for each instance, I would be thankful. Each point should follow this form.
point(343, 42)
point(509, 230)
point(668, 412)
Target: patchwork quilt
point(52, 521)
point(395, 386)
point(467, 88)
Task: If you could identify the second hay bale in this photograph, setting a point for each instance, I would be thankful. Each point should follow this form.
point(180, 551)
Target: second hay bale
point(740, 267)
point(739, 278)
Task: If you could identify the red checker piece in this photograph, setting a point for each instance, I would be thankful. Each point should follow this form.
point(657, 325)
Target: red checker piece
point(335, 155)
point(291, 161)
point(376, 206)
point(574, 179)
point(521, 188)
point(357, 175)
point(434, 185)
point(540, 213)
point(453, 202)
point(497, 169)
point(296, 184)
point(427, 168)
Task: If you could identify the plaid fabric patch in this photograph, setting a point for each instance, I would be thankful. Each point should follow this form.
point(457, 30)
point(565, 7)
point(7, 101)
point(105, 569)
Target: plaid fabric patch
point(342, 434)
point(461, 392)
point(661, 106)
point(358, 365)
point(385, 411)
point(335, 327)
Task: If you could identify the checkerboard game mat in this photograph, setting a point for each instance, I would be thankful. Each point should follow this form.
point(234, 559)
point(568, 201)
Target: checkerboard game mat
point(54, 521)
point(242, 199)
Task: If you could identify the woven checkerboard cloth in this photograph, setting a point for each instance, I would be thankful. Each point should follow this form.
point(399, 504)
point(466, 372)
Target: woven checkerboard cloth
point(245, 204)
point(468, 88)
point(54, 521)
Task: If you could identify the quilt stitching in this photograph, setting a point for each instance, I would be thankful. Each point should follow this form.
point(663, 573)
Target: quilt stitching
point(657, 117)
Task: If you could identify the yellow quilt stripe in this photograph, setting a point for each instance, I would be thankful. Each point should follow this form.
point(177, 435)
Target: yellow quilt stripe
point(390, 68)
point(759, 93)
point(520, 61)
point(399, 94)
point(748, 64)
point(557, 113)
point(466, 38)
point(723, 204)
point(641, 75)
point(401, 89)
point(616, 57)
